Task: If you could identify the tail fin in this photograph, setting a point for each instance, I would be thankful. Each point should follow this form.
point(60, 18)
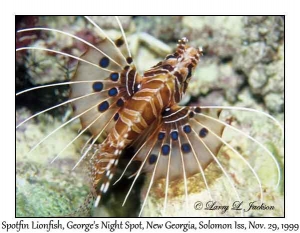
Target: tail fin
point(104, 166)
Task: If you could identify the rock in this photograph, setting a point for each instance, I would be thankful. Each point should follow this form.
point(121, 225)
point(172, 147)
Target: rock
point(44, 188)
point(274, 102)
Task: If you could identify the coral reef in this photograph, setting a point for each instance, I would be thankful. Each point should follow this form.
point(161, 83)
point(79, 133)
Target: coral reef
point(45, 188)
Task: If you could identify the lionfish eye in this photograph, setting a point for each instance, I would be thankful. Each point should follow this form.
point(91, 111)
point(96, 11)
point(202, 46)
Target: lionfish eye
point(168, 67)
point(170, 56)
point(190, 67)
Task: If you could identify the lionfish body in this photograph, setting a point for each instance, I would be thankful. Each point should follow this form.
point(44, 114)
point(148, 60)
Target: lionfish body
point(139, 103)
point(171, 142)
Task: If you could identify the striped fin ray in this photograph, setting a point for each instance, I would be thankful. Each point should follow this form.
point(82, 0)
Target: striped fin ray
point(174, 151)
point(115, 81)
point(109, 94)
point(105, 77)
point(184, 154)
point(103, 171)
point(118, 85)
point(117, 52)
point(188, 140)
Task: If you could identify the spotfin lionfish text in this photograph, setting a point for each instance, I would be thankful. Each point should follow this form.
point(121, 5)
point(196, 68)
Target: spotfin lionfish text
point(165, 140)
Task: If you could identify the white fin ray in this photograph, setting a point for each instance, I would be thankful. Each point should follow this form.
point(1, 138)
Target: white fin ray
point(70, 35)
point(254, 140)
point(249, 110)
point(64, 54)
point(241, 157)
point(223, 170)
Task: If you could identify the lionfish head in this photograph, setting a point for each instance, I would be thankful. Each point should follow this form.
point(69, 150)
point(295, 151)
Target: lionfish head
point(183, 62)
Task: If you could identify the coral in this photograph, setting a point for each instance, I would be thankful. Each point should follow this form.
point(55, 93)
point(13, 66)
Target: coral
point(106, 22)
point(166, 28)
point(40, 193)
point(217, 35)
point(261, 59)
point(44, 188)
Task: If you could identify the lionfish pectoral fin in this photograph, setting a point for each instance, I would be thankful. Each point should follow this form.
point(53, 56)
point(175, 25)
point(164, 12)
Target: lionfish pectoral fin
point(178, 136)
point(99, 92)
point(179, 147)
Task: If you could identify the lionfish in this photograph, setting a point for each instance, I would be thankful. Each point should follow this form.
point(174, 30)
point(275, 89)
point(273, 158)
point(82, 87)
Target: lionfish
point(172, 143)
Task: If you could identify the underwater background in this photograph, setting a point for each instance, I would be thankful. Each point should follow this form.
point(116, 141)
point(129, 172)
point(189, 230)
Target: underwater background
point(243, 65)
